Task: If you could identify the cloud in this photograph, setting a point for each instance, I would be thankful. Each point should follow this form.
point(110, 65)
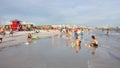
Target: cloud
point(61, 11)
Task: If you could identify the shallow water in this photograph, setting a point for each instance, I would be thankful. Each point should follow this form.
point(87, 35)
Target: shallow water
point(59, 53)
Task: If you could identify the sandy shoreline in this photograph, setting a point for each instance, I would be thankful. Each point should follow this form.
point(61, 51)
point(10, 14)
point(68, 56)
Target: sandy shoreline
point(54, 52)
point(20, 37)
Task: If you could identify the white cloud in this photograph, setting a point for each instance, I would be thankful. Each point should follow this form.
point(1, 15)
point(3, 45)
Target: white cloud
point(61, 11)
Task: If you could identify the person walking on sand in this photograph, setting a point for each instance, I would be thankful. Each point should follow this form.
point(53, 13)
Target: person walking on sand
point(11, 33)
point(53, 31)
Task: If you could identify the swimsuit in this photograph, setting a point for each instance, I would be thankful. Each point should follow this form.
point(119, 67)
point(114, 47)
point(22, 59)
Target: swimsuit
point(95, 45)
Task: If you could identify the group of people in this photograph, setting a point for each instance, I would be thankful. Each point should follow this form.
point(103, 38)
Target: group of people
point(68, 33)
point(3, 33)
point(78, 35)
point(93, 44)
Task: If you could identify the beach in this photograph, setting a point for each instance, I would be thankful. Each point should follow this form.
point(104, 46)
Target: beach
point(21, 37)
point(59, 34)
point(54, 52)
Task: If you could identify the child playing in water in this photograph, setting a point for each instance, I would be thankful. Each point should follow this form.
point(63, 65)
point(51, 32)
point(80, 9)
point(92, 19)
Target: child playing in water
point(29, 37)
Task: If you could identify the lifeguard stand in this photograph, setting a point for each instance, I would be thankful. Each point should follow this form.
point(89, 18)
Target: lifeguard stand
point(16, 25)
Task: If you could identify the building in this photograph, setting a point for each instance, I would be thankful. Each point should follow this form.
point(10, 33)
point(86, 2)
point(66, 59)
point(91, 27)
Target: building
point(16, 25)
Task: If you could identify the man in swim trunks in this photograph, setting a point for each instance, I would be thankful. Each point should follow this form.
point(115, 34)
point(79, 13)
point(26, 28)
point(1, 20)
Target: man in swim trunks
point(94, 42)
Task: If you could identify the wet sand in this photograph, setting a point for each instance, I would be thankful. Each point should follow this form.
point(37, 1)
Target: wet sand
point(56, 53)
point(20, 37)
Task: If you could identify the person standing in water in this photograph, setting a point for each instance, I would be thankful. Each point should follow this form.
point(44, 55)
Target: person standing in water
point(75, 32)
point(77, 44)
point(81, 33)
point(29, 37)
point(107, 32)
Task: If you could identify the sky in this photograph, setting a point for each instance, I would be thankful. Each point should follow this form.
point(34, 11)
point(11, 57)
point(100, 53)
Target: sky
point(54, 12)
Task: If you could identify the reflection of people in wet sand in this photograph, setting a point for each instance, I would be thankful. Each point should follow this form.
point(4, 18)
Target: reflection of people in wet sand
point(53, 31)
point(59, 33)
point(53, 42)
point(93, 44)
point(29, 37)
point(77, 44)
point(11, 33)
point(68, 42)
